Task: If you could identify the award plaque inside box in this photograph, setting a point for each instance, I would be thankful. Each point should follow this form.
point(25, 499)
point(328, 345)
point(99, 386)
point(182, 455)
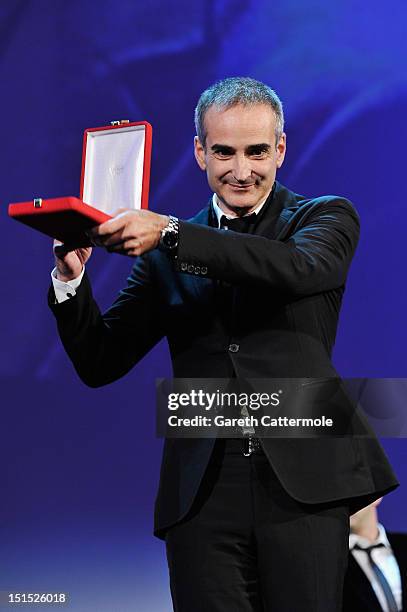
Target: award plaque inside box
point(115, 174)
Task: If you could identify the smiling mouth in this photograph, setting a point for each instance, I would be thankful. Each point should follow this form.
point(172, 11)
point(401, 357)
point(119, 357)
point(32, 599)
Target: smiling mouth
point(240, 186)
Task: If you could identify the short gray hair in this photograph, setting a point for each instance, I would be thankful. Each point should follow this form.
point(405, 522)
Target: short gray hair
point(237, 90)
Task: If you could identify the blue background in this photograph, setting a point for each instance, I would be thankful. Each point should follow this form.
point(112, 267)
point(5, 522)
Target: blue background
point(80, 466)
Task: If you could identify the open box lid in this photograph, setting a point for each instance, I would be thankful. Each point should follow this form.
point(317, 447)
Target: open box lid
point(115, 174)
point(116, 166)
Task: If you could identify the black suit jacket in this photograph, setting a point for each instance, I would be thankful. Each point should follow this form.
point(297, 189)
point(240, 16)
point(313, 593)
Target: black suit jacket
point(358, 594)
point(288, 276)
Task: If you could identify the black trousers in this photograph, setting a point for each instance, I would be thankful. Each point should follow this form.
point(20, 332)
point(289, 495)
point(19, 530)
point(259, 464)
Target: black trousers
point(247, 546)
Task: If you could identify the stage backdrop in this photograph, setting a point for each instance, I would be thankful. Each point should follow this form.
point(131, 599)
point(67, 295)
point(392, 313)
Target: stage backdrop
point(80, 466)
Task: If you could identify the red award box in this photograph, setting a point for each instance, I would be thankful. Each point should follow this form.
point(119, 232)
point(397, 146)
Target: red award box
point(115, 174)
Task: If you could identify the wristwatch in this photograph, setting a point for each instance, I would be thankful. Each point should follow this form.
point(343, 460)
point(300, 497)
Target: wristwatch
point(170, 236)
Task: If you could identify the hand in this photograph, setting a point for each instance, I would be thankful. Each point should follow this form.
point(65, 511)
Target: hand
point(130, 232)
point(69, 263)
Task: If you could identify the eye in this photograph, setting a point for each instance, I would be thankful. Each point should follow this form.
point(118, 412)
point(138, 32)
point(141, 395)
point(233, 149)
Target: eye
point(223, 153)
point(258, 153)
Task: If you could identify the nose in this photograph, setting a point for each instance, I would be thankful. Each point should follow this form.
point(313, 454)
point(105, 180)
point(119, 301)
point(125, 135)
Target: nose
point(241, 168)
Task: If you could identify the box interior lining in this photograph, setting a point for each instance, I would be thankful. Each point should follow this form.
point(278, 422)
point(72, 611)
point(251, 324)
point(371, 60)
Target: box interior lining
point(114, 165)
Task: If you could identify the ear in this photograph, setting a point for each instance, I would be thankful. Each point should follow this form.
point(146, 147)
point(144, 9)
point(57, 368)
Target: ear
point(199, 152)
point(281, 149)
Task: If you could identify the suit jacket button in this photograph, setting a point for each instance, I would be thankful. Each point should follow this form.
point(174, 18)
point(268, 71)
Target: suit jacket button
point(191, 268)
point(184, 267)
point(233, 348)
point(204, 270)
point(197, 269)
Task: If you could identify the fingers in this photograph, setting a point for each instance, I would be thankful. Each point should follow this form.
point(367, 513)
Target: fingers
point(58, 247)
point(129, 232)
point(133, 247)
point(119, 211)
point(112, 239)
point(116, 224)
point(115, 231)
point(61, 249)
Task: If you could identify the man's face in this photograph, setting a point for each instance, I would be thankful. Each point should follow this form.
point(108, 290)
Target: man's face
point(240, 157)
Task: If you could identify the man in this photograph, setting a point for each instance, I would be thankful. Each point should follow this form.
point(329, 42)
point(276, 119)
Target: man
point(249, 525)
point(376, 579)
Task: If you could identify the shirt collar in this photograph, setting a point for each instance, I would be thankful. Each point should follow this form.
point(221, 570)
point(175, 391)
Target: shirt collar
point(354, 538)
point(219, 212)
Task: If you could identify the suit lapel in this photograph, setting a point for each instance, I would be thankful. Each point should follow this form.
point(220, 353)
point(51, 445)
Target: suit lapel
point(398, 542)
point(274, 222)
point(277, 212)
point(360, 585)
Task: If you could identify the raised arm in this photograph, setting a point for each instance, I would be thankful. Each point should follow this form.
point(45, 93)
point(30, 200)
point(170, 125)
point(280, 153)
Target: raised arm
point(105, 347)
point(313, 257)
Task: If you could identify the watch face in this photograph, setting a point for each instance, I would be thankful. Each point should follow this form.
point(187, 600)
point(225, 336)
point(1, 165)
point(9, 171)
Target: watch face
point(170, 239)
